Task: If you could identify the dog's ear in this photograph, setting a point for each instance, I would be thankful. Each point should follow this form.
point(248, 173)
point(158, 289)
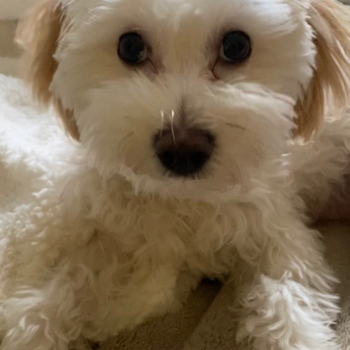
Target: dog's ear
point(330, 85)
point(38, 33)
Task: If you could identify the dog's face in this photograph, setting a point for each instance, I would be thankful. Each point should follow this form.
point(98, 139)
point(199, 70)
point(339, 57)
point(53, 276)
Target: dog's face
point(183, 96)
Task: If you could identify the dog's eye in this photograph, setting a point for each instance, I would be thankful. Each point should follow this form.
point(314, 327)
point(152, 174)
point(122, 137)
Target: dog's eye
point(132, 48)
point(235, 47)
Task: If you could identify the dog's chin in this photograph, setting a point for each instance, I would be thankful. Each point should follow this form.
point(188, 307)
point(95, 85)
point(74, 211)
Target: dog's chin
point(222, 187)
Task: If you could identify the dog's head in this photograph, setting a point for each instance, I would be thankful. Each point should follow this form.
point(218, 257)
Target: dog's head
point(184, 95)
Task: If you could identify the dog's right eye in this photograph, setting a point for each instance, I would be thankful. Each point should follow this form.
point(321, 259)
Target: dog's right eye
point(132, 48)
point(235, 47)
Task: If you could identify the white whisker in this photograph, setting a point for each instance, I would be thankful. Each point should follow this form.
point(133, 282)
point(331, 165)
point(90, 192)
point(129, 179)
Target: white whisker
point(172, 125)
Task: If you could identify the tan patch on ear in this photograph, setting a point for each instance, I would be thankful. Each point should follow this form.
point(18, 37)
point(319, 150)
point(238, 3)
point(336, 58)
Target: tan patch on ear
point(38, 34)
point(67, 117)
point(330, 85)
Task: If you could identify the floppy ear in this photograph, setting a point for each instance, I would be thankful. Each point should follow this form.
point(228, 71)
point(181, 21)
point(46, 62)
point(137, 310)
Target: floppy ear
point(330, 85)
point(38, 33)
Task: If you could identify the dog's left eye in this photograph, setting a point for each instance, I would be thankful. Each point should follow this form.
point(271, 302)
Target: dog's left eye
point(235, 47)
point(132, 48)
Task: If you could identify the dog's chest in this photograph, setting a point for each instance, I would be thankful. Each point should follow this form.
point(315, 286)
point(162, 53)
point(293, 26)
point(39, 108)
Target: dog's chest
point(155, 259)
point(175, 233)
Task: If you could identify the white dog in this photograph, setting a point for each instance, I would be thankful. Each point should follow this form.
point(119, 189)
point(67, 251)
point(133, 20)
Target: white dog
point(188, 164)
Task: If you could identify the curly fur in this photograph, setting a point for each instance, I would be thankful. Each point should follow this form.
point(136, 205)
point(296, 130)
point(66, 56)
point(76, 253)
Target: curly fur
point(99, 238)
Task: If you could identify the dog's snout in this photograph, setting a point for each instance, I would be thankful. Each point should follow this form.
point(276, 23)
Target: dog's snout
point(185, 152)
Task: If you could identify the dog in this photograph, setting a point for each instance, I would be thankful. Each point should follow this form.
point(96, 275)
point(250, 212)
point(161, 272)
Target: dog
point(204, 135)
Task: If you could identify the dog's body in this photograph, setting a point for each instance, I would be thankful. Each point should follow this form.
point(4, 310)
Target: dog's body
point(84, 256)
point(113, 240)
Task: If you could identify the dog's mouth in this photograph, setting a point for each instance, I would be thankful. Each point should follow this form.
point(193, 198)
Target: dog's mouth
point(184, 153)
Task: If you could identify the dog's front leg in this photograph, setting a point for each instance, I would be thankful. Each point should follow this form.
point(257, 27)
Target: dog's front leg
point(286, 302)
point(42, 317)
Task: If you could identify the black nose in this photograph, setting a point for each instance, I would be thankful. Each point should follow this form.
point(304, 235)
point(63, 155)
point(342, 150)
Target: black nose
point(185, 152)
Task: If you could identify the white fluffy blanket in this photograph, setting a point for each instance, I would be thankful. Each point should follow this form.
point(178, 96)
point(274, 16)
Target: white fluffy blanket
point(30, 145)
